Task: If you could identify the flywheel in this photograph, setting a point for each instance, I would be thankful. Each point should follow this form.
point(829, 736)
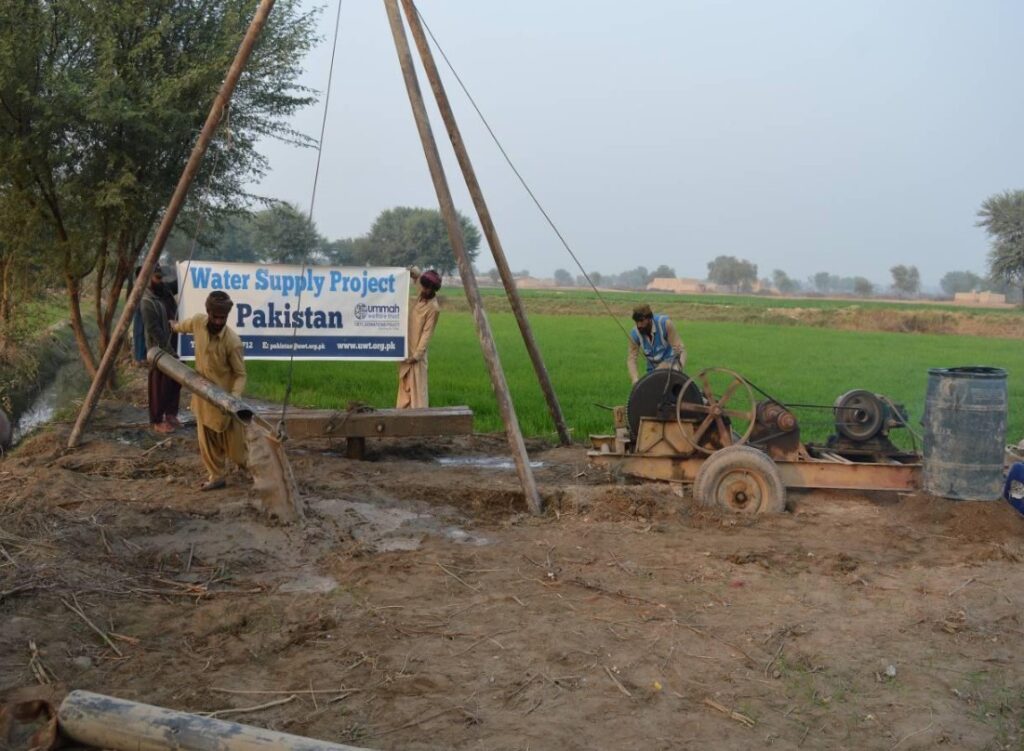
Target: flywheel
point(657, 394)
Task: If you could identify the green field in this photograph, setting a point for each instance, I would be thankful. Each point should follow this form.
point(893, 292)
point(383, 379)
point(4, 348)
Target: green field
point(586, 301)
point(586, 357)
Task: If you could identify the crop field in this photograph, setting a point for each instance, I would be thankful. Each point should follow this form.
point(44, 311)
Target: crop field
point(586, 358)
point(584, 298)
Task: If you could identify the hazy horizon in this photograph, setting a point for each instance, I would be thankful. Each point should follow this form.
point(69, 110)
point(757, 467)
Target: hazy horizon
point(803, 136)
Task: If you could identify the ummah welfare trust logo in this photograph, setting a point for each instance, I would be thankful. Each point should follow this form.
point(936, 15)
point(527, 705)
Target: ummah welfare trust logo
point(364, 312)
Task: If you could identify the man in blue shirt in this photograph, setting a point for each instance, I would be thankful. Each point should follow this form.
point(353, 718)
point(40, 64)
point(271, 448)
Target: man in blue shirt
point(655, 337)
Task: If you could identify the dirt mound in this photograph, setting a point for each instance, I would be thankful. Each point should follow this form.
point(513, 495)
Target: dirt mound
point(975, 521)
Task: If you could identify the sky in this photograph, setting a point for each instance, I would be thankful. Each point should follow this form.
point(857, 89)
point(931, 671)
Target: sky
point(802, 135)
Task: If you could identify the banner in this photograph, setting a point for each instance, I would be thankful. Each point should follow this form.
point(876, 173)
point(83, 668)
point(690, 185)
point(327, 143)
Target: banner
point(317, 312)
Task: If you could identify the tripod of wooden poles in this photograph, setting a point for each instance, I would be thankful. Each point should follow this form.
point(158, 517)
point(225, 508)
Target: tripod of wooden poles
point(447, 207)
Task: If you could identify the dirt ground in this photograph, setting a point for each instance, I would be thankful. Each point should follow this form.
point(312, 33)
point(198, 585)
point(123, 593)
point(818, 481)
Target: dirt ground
point(420, 607)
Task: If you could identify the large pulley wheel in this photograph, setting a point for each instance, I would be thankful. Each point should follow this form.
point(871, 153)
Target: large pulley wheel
point(656, 395)
point(860, 415)
point(741, 479)
point(725, 420)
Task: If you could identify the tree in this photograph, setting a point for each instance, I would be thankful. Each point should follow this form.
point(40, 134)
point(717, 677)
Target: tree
point(342, 252)
point(23, 241)
point(563, 278)
point(730, 271)
point(663, 272)
point(632, 279)
point(862, 287)
point(102, 101)
point(285, 234)
point(960, 281)
point(596, 277)
point(822, 282)
point(405, 236)
point(1002, 216)
point(783, 283)
point(905, 279)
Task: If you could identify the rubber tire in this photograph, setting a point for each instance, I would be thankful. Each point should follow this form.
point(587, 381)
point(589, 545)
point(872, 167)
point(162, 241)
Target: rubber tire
point(770, 494)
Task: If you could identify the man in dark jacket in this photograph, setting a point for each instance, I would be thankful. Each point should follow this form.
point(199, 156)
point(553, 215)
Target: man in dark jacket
point(158, 309)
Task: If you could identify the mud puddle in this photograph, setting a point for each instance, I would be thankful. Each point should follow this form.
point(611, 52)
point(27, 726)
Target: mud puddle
point(288, 558)
point(482, 462)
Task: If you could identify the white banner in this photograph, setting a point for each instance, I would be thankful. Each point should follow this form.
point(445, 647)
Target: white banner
point(315, 312)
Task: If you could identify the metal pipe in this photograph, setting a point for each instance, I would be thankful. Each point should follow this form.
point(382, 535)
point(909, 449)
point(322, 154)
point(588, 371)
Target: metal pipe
point(486, 223)
point(174, 368)
point(220, 104)
point(108, 722)
point(447, 205)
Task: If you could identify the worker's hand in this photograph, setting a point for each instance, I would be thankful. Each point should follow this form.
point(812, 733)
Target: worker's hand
point(410, 361)
point(414, 272)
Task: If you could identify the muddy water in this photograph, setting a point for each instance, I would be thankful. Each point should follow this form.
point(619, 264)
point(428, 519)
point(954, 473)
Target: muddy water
point(287, 558)
point(69, 384)
point(483, 462)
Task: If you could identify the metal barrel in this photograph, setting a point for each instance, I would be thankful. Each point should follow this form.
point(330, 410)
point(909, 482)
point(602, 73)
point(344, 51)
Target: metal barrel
point(965, 413)
point(170, 366)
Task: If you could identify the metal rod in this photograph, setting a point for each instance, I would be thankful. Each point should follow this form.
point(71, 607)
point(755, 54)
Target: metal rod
point(108, 722)
point(170, 215)
point(444, 196)
point(201, 387)
point(486, 223)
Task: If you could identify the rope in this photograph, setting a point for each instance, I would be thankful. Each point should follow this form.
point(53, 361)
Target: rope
point(522, 180)
point(281, 431)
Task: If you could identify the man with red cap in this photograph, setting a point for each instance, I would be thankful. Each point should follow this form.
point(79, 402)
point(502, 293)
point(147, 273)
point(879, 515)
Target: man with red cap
point(219, 358)
point(412, 371)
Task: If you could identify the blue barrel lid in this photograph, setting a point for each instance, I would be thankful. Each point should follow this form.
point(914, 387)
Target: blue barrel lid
point(969, 371)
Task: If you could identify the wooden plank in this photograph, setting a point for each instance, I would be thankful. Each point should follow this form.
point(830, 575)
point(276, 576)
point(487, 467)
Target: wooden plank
point(380, 423)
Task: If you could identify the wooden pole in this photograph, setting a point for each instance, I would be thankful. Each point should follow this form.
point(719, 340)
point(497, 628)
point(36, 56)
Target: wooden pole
point(486, 223)
point(170, 215)
point(108, 722)
point(444, 197)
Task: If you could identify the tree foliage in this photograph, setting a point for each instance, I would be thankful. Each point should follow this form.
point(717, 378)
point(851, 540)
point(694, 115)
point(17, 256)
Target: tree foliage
point(663, 272)
point(732, 272)
point(1002, 216)
point(960, 281)
point(563, 278)
point(101, 103)
point(906, 280)
point(405, 236)
point(784, 283)
point(862, 287)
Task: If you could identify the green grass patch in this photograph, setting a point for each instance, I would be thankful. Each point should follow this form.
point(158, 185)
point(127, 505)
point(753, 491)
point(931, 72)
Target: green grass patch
point(586, 357)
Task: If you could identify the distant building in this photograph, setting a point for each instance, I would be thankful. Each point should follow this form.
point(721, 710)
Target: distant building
point(671, 284)
point(530, 282)
point(990, 299)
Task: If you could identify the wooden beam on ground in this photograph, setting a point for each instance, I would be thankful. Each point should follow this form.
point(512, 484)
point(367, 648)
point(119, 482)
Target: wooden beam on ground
point(108, 722)
point(379, 423)
point(451, 220)
point(486, 223)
